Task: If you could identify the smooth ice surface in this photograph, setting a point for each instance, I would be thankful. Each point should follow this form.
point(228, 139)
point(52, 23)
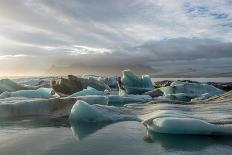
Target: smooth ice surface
point(136, 84)
point(84, 112)
point(184, 91)
point(39, 93)
point(174, 122)
point(89, 91)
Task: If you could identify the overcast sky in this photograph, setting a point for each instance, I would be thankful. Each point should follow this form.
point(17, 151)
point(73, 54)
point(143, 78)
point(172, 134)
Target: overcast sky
point(163, 34)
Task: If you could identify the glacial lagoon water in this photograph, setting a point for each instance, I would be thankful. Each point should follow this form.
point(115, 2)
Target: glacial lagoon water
point(59, 137)
point(40, 136)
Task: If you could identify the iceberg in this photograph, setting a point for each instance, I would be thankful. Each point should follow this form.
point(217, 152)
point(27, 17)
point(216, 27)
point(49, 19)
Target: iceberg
point(94, 99)
point(133, 84)
point(185, 91)
point(11, 86)
point(111, 81)
point(89, 91)
point(86, 113)
point(23, 107)
point(175, 122)
point(39, 93)
point(125, 99)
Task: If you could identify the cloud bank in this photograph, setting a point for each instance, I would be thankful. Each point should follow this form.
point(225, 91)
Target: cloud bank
point(162, 35)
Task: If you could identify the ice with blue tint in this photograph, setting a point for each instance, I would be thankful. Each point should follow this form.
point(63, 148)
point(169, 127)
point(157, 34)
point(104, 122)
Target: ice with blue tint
point(94, 99)
point(136, 84)
point(84, 112)
point(125, 99)
point(184, 91)
point(89, 91)
point(176, 122)
point(38, 93)
point(21, 107)
point(205, 117)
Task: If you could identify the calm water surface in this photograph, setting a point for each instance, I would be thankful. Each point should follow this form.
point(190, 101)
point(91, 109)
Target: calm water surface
point(33, 137)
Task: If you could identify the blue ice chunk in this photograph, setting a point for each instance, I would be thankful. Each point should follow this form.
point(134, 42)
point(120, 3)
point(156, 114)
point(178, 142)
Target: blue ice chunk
point(89, 91)
point(184, 91)
point(136, 84)
point(94, 99)
point(120, 100)
point(84, 112)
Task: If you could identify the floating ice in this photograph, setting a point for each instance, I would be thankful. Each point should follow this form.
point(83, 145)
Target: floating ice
point(134, 84)
point(125, 99)
point(175, 122)
point(83, 112)
point(89, 91)
point(94, 99)
point(39, 93)
point(186, 91)
point(111, 81)
point(21, 107)
point(11, 86)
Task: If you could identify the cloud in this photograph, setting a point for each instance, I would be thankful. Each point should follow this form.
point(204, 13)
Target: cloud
point(107, 32)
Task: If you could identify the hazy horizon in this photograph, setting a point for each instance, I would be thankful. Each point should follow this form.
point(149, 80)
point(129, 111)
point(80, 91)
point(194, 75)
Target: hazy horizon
point(161, 37)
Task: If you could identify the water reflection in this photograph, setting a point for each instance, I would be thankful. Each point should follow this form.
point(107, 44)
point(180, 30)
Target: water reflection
point(186, 142)
point(82, 130)
point(28, 122)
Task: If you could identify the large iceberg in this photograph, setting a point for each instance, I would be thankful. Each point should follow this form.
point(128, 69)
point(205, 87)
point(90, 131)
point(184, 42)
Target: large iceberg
point(133, 84)
point(39, 93)
point(175, 122)
point(84, 112)
point(185, 91)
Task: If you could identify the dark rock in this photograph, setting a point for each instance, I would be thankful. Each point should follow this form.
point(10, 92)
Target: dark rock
point(154, 93)
point(226, 86)
point(73, 84)
point(164, 83)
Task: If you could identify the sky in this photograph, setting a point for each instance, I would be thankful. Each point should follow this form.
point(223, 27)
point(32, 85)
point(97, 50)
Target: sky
point(39, 37)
